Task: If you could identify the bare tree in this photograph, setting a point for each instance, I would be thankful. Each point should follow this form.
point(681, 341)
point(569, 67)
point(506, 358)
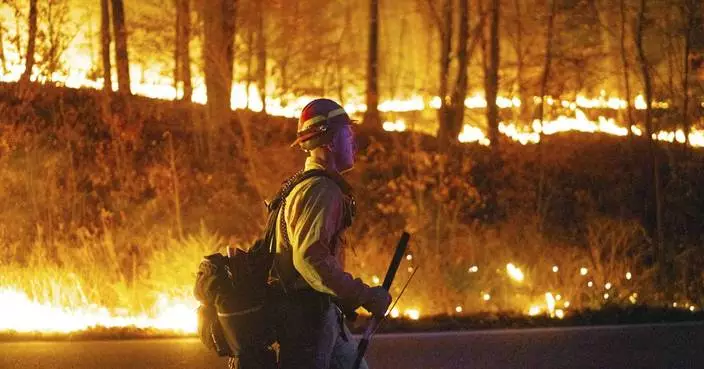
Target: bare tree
point(491, 77)
point(459, 93)
point(662, 257)
point(182, 53)
point(261, 55)
point(626, 68)
point(121, 57)
point(444, 25)
point(688, 10)
point(520, 50)
point(371, 116)
point(219, 34)
point(105, 40)
point(31, 42)
point(541, 108)
point(249, 75)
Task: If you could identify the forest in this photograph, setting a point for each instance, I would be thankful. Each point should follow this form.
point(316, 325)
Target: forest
point(546, 155)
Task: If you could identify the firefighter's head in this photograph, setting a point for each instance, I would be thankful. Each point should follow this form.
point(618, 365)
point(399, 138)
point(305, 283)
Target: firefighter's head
point(324, 128)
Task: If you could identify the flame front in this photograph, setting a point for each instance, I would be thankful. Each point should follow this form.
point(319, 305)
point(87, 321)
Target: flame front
point(21, 314)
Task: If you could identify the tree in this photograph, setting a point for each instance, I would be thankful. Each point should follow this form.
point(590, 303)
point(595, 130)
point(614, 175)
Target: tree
point(656, 217)
point(444, 25)
point(371, 116)
point(182, 53)
point(459, 92)
point(626, 68)
point(688, 9)
point(219, 54)
point(105, 40)
point(31, 42)
point(541, 108)
point(491, 76)
point(261, 55)
point(121, 56)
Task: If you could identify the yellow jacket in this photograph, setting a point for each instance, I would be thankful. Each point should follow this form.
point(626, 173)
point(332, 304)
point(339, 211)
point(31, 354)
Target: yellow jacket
point(313, 214)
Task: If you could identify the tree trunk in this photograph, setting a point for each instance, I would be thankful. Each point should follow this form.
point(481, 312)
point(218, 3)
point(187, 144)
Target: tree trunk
point(445, 30)
point(182, 70)
point(121, 57)
point(3, 61)
point(688, 15)
point(105, 39)
point(626, 70)
point(371, 116)
point(523, 115)
point(541, 109)
point(460, 89)
point(219, 35)
point(491, 77)
point(177, 48)
point(656, 200)
point(250, 59)
point(261, 55)
point(31, 42)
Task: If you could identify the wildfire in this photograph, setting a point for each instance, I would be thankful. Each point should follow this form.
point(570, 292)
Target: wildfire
point(21, 314)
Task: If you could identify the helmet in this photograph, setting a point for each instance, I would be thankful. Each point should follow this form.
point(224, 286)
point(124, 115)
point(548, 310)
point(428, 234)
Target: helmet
point(318, 122)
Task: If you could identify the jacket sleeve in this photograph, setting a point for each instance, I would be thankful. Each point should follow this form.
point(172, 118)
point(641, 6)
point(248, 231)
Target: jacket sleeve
point(315, 217)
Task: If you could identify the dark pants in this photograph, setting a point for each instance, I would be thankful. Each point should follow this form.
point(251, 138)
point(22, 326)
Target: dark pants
point(312, 334)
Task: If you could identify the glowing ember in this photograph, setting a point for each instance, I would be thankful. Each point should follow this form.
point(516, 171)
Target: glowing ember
point(486, 297)
point(458, 309)
point(555, 269)
point(583, 271)
point(413, 314)
point(550, 303)
point(629, 276)
point(560, 313)
point(534, 310)
point(514, 272)
point(394, 313)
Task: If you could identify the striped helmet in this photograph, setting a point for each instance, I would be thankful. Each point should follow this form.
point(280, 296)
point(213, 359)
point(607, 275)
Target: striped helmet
point(318, 121)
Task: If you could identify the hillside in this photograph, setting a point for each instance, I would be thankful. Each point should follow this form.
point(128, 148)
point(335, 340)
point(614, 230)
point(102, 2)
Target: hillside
point(139, 187)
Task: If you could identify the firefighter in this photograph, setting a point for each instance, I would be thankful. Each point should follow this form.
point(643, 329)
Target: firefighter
point(316, 290)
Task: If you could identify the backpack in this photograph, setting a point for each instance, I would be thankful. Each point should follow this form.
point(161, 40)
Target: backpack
point(235, 316)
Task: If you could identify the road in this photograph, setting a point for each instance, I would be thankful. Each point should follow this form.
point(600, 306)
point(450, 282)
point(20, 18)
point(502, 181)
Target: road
point(644, 346)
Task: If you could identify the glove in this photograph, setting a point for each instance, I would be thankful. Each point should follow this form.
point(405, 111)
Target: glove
point(376, 300)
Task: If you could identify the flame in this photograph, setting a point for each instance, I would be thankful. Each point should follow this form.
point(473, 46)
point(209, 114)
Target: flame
point(21, 314)
point(514, 272)
point(399, 126)
point(534, 310)
point(413, 314)
point(550, 303)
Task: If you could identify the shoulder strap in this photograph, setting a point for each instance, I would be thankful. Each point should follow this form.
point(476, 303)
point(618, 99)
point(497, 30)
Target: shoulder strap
point(301, 176)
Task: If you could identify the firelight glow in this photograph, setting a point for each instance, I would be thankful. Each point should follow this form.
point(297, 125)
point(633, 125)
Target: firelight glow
point(514, 272)
point(19, 313)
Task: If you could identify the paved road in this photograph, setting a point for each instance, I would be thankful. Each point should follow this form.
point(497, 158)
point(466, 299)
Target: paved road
point(648, 346)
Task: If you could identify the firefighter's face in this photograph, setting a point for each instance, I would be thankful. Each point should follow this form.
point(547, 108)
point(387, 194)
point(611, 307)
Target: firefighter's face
point(345, 148)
